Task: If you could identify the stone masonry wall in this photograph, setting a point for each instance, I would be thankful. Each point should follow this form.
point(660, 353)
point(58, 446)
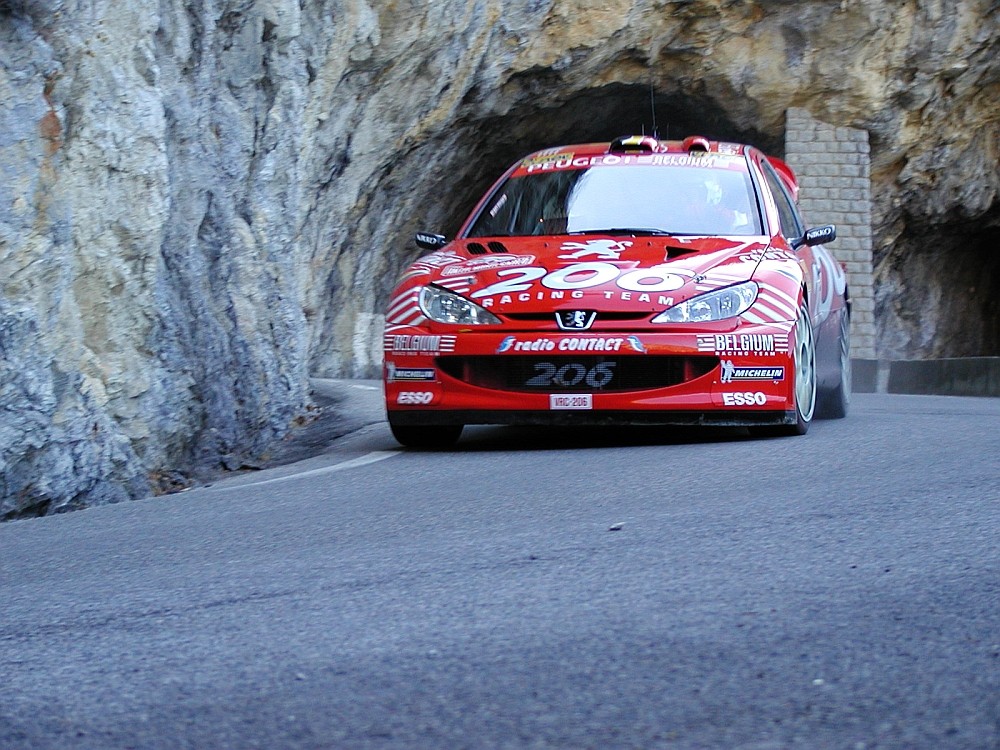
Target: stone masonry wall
point(833, 167)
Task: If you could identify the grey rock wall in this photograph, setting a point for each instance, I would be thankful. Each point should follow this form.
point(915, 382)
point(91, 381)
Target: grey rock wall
point(205, 202)
point(150, 268)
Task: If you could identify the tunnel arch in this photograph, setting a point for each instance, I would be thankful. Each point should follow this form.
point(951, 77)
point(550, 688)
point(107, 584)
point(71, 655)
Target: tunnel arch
point(433, 183)
point(597, 114)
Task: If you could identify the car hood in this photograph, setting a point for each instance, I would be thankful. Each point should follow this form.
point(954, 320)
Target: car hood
point(594, 272)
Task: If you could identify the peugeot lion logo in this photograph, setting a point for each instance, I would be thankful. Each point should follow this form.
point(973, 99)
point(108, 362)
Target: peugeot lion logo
point(575, 320)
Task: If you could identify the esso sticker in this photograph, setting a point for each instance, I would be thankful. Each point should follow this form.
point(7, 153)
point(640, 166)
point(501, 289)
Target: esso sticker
point(744, 398)
point(417, 398)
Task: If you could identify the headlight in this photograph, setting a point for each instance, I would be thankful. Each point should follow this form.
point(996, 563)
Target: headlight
point(717, 305)
point(447, 307)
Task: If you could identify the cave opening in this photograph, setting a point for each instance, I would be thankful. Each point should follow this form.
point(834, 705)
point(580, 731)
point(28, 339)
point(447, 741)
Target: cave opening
point(936, 297)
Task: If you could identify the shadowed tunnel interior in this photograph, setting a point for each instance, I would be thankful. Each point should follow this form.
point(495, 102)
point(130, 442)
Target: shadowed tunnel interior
point(939, 291)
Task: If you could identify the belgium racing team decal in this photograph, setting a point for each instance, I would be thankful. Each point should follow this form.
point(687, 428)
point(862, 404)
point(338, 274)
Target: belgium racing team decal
point(728, 344)
point(412, 344)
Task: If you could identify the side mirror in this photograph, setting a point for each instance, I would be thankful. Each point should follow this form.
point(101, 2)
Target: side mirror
point(430, 241)
point(816, 236)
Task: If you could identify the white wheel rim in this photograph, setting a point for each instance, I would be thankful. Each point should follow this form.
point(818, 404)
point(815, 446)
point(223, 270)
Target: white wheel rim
point(805, 368)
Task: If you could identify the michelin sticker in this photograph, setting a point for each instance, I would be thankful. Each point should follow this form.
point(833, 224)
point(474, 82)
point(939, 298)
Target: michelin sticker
point(731, 373)
point(408, 374)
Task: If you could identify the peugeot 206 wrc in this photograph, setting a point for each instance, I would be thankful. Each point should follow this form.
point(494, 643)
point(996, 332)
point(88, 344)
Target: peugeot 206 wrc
point(637, 282)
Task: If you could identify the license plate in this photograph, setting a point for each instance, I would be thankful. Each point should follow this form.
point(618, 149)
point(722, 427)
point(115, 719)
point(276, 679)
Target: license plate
point(571, 401)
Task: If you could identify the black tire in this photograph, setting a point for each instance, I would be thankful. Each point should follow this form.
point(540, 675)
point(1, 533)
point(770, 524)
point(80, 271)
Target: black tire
point(426, 437)
point(804, 387)
point(834, 403)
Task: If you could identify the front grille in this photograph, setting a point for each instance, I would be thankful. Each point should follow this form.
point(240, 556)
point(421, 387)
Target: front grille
point(576, 373)
point(603, 316)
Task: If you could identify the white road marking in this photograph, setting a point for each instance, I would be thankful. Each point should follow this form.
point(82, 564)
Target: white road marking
point(368, 458)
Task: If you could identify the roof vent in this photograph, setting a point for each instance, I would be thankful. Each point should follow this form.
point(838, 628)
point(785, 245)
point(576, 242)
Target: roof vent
point(645, 144)
point(696, 143)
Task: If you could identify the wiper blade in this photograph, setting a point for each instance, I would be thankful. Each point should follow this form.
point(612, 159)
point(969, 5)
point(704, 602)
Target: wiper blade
point(632, 231)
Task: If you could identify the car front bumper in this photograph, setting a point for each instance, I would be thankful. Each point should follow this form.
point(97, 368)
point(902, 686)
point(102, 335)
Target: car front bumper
point(599, 378)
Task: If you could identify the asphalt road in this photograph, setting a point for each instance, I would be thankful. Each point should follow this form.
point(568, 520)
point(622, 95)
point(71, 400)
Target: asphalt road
point(840, 590)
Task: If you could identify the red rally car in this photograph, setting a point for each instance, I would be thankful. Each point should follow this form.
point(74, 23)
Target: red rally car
point(637, 282)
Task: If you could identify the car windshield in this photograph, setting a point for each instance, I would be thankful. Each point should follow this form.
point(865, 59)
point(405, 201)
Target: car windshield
point(640, 199)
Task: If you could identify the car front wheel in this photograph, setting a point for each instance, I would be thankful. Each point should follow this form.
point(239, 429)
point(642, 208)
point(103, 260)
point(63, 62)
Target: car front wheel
point(805, 380)
point(833, 404)
point(426, 437)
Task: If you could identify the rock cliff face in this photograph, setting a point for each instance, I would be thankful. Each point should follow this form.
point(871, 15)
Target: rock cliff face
point(205, 202)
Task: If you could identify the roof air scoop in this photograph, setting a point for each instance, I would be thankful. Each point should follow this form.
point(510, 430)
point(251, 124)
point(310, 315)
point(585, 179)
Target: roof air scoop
point(695, 143)
point(644, 144)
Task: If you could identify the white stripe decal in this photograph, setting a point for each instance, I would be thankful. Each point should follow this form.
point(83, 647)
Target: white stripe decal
point(778, 306)
point(404, 310)
point(396, 310)
point(786, 298)
point(459, 283)
point(768, 309)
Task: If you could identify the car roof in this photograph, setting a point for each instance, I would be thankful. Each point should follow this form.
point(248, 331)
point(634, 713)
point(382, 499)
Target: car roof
point(640, 144)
